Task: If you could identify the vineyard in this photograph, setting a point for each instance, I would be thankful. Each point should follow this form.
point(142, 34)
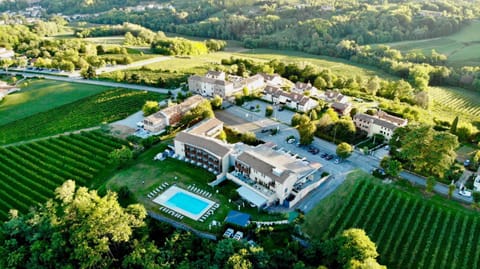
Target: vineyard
point(29, 173)
point(410, 232)
point(92, 111)
point(455, 101)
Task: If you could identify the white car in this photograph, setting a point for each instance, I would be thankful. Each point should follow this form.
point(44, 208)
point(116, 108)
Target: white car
point(140, 124)
point(238, 236)
point(159, 157)
point(465, 193)
point(228, 233)
point(291, 141)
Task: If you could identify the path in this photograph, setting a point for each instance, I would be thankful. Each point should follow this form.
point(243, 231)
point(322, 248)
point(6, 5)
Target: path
point(119, 67)
point(95, 82)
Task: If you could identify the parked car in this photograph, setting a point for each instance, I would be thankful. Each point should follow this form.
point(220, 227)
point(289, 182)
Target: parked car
point(252, 108)
point(228, 233)
point(324, 155)
point(379, 172)
point(465, 193)
point(281, 108)
point(265, 130)
point(466, 163)
point(337, 160)
point(329, 157)
point(238, 235)
point(291, 141)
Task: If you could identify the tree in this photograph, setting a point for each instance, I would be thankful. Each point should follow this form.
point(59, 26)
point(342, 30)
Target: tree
point(121, 156)
point(150, 107)
point(88, 73)
point(476, 196)
point(246, 91)
point(351, 249)
point(216, 102)
point(306, 131)
point(249, 138)
point(430, 184)
point(268, 111)
point(313, 115)
point(344, 150)
point(451, 189)
point(77, 228)
point(391, 166)
point(453, 127)
point(222, 135)
point(425, 150)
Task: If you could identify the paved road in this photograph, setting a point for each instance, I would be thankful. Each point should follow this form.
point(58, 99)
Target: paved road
point(338, 172)
point(96, 82)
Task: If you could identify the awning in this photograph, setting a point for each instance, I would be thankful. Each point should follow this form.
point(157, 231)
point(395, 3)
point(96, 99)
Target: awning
point(251, 196)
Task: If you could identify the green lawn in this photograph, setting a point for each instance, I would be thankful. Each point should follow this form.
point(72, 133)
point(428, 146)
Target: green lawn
point(461, 48)
point(105, 107)
point(42, 95)
point(410, 230)
point(154, 173)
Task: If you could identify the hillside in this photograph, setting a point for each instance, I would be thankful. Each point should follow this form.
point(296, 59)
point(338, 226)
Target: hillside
point(461, 48)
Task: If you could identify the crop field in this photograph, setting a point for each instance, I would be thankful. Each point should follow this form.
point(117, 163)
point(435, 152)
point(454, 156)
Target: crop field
point(29, 173)
point(455, 101)
point(105, 107)
point(42, 95)
point(410, 232)
point(461, 48)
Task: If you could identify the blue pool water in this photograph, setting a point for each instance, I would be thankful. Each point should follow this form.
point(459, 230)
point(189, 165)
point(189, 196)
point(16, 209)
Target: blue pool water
point(187, 202)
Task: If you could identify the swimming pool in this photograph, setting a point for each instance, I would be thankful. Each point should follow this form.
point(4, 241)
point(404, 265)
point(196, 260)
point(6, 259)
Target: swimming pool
point(184, 202)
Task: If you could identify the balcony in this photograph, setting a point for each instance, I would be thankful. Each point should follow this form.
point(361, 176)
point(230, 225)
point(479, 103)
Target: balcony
point(252, 184)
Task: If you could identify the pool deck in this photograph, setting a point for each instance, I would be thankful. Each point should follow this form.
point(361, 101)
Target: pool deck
point(163, 198)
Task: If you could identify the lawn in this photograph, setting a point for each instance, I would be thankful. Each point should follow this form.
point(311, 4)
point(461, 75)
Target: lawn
point(105, 107)
point(41, 95)
point(461, 48)
point(410, 230)
point(146, 175)
point(29, 173)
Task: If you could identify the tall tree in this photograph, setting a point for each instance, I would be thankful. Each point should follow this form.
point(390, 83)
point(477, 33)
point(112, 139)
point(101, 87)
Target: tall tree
point(453, 127)
point(344, 150)
point(306, 132)
point(430, 184)
point(77, 228)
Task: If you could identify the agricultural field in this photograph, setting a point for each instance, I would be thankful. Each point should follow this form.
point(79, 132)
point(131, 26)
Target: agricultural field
point(29, 173)
point(409, 230)
point(39, 95)
point(461, 48)
point(449, 102)
point(105, 107)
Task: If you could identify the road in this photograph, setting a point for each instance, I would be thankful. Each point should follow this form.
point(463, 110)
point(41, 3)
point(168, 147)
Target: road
point(94, 82)
point(241, 118)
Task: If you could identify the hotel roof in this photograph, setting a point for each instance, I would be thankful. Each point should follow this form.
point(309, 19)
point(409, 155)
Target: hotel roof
point(212, 145)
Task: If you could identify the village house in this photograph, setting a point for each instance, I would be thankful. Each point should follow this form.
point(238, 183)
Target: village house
point(216, 83)
point(342, 109)
point(274, 80)
point(333, 96)
point(381, 123)
point(302, 88)
point(296, 101)
point(170, 116)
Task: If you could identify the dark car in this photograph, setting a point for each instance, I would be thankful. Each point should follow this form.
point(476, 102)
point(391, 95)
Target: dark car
point(265, 130)
point(281, 108)
point(329, 157)
point(252, 107)
point(315, 151)
point(324, 155)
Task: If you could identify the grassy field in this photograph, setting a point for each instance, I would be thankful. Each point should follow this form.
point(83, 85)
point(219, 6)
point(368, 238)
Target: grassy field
point(200, 64)
point(154, 173)
point(30, 173)
point(461, 48)
point(105, 107)
point(410, 231)
point(450, 102)
point(42, 95)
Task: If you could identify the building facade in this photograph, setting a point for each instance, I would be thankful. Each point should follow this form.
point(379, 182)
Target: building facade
point(380, 123)
point(293, 100)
